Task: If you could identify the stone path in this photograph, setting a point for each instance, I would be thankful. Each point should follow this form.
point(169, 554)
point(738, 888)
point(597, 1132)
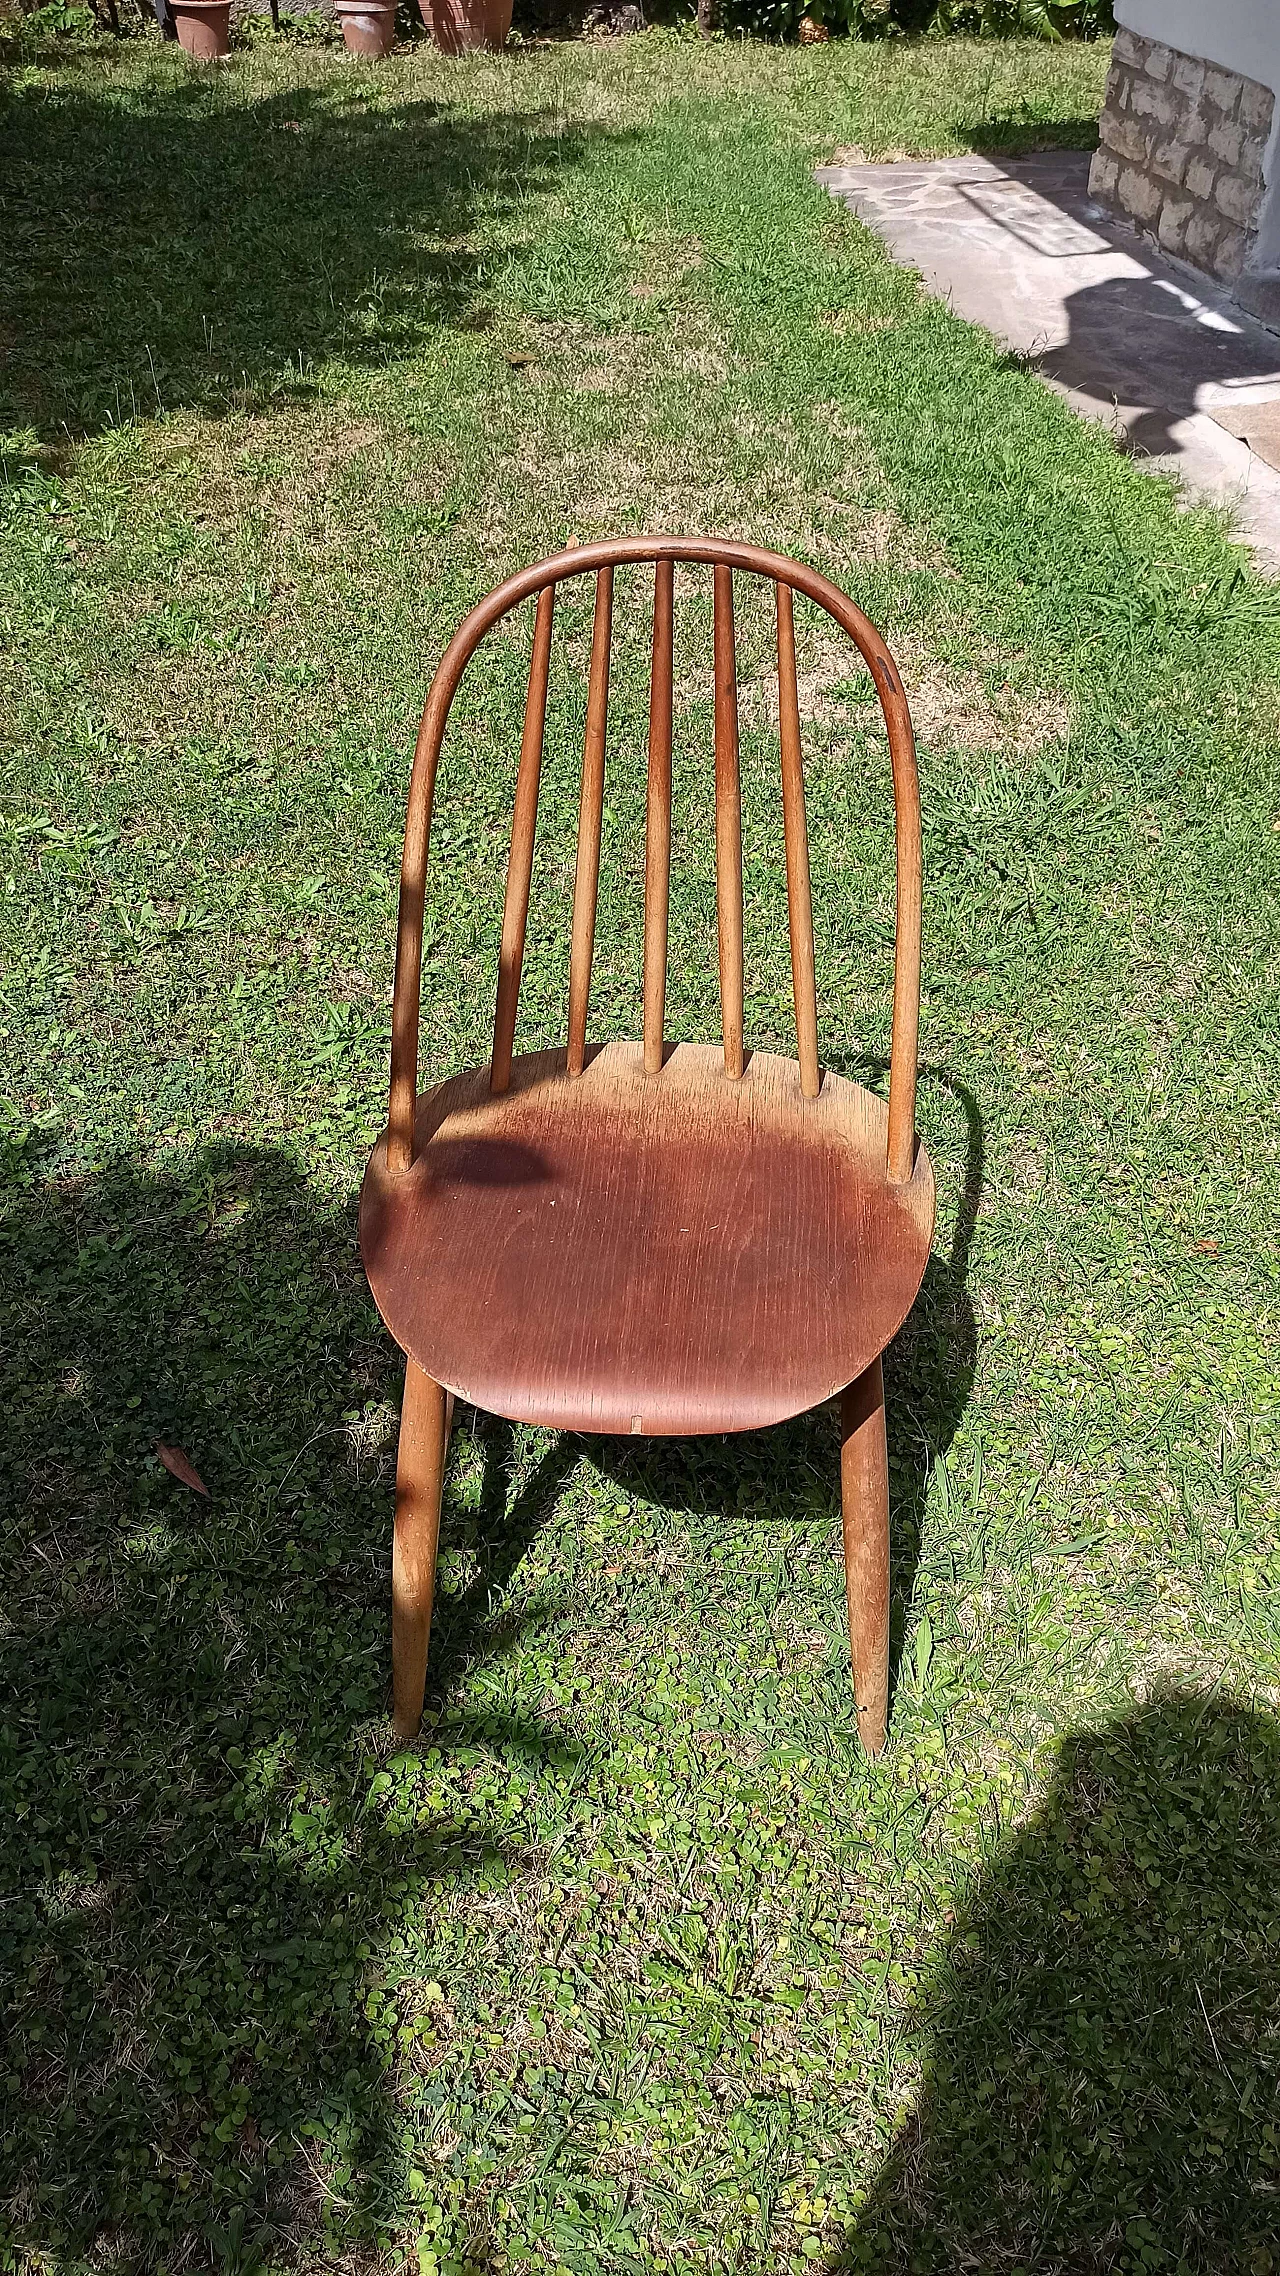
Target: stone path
point(1141, 342)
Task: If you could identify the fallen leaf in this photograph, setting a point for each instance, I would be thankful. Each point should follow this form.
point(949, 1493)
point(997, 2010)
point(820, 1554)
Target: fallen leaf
point(177, 1465)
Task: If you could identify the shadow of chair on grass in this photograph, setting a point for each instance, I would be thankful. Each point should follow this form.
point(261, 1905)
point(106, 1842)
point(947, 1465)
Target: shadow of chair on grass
point(776, 1477)
point(207, 1849)
point(1102, 2034)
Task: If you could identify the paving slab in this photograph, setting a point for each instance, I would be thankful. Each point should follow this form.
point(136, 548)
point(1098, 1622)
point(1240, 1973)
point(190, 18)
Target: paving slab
point(1184, 379)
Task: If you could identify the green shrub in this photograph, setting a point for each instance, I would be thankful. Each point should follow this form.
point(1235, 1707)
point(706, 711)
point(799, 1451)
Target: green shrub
point(887, 19)
point(1034, 19)
point(293, 30)
point(32, 27)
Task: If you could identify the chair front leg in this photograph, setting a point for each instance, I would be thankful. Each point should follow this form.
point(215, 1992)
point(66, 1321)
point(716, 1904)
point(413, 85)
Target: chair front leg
point(864, 1497)
point(424, 1437)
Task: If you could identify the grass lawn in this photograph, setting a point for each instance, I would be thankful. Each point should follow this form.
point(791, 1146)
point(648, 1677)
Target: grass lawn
point(633, 1963)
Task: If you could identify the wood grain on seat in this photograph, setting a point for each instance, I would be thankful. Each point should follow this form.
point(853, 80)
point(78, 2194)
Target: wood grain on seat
point(670, 1253)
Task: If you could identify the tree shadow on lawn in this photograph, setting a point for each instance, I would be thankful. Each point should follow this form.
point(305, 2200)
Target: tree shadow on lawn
point(202, 1886)
point(774, 1477)
point(1104, 2030)
point(181, 244)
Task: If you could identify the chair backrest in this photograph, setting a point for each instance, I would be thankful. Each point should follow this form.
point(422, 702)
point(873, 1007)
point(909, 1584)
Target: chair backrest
point(724, 558)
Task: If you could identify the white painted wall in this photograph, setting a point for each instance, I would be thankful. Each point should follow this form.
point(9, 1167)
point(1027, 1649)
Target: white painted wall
point(1241, 35)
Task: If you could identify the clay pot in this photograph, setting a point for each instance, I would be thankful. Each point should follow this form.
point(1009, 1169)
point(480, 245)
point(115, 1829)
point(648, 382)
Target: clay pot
point(458, 26)
point(203, 28)
point(368, 26)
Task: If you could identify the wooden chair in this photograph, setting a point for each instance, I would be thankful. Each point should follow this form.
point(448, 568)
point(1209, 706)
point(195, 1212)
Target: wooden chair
point(644, 1238)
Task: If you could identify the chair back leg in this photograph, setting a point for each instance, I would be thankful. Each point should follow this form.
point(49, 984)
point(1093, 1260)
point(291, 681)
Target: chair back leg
point(424, 1437)
point(864, 1497)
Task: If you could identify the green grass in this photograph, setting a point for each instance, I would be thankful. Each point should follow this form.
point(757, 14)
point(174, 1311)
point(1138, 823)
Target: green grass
point(633, 1963)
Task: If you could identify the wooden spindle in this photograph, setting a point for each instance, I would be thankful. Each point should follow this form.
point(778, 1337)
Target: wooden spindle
point(586, 883)
point(657, 837)
point(728, 823)
point(796, 829)
point(524, 822)
point(904, 1048)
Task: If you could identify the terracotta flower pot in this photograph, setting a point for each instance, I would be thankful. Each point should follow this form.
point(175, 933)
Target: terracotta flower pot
point(457, 26)
point(203, 28)
point(368, 26)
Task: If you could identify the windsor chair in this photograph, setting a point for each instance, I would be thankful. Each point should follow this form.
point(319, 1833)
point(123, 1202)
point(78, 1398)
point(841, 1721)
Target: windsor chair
point(643, 1238)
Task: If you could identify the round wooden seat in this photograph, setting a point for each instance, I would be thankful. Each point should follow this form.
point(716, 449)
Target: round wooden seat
point(648, 1254)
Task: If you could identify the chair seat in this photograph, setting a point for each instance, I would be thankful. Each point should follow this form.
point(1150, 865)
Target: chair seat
point(655, 1255)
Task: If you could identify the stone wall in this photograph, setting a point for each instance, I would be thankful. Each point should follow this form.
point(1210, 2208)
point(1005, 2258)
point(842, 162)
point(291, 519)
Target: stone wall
point(1181, 151)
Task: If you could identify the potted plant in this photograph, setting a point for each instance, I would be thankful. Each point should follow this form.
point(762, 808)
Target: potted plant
point(368, 26)
point(203, 28)
point(458, 26)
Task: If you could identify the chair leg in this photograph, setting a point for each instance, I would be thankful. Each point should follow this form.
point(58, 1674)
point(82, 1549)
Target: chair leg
point(864, 1496)
point(424, 1439)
